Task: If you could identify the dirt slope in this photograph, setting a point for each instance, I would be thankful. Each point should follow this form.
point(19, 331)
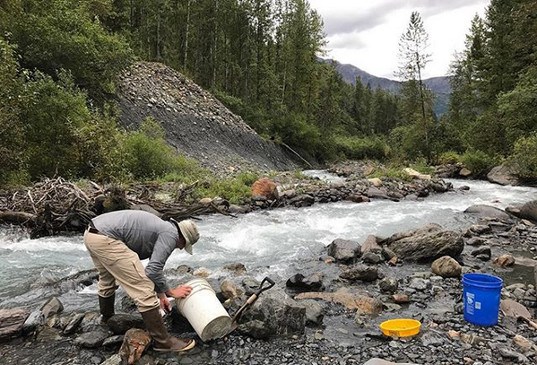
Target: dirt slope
point(196, 123)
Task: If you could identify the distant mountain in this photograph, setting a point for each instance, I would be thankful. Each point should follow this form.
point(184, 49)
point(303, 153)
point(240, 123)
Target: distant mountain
point(438, 85)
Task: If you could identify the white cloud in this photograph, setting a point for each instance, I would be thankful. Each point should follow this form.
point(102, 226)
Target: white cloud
point(366, 33)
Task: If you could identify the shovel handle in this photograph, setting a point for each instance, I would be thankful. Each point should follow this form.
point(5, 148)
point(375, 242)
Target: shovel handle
point(254, 297)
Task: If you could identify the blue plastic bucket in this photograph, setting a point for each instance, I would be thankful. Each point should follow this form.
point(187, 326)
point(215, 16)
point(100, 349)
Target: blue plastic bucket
point(481, 298)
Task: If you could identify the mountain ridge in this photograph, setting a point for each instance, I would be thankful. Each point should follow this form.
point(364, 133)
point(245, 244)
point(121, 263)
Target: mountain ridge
point(439, 85)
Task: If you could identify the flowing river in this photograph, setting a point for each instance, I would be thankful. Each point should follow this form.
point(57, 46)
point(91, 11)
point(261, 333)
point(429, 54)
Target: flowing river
point(263, 241)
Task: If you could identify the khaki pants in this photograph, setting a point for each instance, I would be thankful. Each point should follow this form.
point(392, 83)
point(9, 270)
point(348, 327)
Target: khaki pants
point(116, 262)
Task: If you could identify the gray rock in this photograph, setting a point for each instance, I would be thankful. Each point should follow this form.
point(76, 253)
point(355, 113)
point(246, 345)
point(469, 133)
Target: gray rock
point(388, 285)
point(313, 282)
point(47, 334)
point(274, 313)
point(92, 339)
point(475, 241)
point(483, 250)
point(487, 211)
point(370, 245)
point(426, 243)
point(360, 272)
point(113, 340)
point(314, 311)
point(377, 193)
point(112, 360)
point(526, 211)
point(303, 200)
point(12, 322)
point(121, 323)
point(419, 284)
point(432, 338)
point(73, 323)
point(344, 250)
point(34, 320)
point(371, 258)
point(51, 306)
point(503, 175)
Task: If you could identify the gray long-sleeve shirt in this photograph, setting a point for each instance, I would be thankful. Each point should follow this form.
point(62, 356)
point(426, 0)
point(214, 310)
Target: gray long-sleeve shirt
point(144, 233)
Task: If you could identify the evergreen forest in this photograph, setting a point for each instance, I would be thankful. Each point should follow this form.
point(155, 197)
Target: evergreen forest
point(59, 60)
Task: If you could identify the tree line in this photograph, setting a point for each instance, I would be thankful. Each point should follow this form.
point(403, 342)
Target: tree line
point(60, 59)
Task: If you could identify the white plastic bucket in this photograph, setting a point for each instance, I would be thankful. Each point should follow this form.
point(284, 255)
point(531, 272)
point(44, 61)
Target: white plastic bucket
point(204, 311)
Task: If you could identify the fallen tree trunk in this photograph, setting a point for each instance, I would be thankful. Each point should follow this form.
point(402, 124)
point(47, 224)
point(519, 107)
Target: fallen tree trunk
point(18, 218)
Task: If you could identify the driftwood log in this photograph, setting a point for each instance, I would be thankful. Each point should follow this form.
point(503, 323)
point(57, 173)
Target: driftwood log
point(55, 206)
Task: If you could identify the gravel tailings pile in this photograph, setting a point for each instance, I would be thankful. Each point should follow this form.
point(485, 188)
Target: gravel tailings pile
point(196, 123)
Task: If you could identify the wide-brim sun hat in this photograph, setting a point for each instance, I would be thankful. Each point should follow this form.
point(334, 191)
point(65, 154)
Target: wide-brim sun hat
point(189, 230)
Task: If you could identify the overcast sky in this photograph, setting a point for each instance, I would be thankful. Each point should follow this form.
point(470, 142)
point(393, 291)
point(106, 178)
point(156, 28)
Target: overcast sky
point(365, 33)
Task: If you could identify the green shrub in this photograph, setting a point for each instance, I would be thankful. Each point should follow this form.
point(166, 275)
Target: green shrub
point(186, 170)
point(100, 149)
point(54, 114)
point(421, 166)
point(146, 153)
point(390, 172)
point(449, 157)
point(356, 148)
point(478, 162)
point(525, 157)
point(236, 190)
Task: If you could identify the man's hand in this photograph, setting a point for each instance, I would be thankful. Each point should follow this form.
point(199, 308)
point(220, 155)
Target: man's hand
point(182, 291)
point(164, 302)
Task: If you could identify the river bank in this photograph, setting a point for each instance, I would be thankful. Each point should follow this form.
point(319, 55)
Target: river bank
point(341, 336)
point(338, 333)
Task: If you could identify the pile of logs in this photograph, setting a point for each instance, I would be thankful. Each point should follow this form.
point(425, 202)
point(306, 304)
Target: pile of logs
point(56, 206)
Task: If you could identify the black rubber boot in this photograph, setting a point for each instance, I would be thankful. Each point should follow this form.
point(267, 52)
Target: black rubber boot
point(106, 306)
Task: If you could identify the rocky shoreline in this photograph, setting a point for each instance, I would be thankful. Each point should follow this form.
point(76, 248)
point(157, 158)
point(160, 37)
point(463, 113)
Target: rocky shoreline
point(328, 312)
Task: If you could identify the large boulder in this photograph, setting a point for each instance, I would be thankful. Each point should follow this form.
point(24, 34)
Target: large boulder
point(425, 244)
point(503, 175)
point(527, 211)
point(273, 314)
point(265, 187)
point(487, 211)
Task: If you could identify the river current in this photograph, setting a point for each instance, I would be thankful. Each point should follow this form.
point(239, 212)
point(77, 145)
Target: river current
point(262, 241)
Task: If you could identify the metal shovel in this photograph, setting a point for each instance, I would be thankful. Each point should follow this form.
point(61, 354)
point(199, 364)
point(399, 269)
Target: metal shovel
point(262, 287)
point(253, 298)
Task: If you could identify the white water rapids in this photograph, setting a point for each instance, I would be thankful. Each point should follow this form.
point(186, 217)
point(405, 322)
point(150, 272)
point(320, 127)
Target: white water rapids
point(270, 238)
